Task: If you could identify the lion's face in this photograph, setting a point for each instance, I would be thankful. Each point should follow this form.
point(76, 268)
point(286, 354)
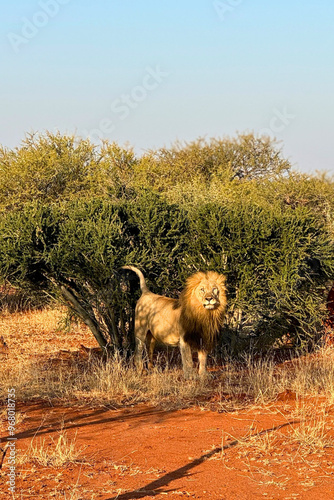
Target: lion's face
point(207, 293)
point(203, 305)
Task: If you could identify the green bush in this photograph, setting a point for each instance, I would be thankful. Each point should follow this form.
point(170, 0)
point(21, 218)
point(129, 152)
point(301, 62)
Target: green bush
point(278, 264)
point(75, 250)
point(245, 157)
point(55, 168)
point(73, 214)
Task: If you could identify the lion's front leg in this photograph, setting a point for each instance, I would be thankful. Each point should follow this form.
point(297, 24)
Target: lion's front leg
point(187, 360)
point(202, 358)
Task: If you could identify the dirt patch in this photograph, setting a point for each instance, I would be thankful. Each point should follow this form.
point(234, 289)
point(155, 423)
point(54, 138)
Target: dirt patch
point(225, 445)
point(144, 452)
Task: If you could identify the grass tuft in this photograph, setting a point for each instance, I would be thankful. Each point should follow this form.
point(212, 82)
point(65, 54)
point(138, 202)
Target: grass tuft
point(58, 452)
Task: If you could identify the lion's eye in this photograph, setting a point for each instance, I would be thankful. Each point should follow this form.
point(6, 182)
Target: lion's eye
point(215, 291)
point(202, 290)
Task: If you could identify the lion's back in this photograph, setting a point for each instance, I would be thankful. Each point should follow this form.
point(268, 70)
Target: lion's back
point(161, 315)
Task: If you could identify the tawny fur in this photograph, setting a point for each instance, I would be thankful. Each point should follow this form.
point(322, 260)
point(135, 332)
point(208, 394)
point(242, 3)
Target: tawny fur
point(191, 322)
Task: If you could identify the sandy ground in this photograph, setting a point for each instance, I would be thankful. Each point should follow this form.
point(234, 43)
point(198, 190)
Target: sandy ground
point(141, 451)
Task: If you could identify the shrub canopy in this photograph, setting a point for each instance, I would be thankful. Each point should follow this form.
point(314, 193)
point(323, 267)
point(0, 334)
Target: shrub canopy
point(72, 214)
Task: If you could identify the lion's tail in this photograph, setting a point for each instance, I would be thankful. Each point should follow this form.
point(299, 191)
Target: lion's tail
point(140, 275)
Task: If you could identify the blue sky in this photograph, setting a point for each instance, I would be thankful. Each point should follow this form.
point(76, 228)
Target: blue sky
point(150, 72)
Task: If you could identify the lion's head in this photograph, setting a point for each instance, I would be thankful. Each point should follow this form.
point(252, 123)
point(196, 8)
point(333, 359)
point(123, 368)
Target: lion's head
point(203, 305)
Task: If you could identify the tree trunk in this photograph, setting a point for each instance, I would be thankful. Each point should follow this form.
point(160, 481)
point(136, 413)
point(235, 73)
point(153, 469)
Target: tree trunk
point(86, 318)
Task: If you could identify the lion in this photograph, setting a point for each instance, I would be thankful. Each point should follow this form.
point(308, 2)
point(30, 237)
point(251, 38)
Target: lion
point(191, 322)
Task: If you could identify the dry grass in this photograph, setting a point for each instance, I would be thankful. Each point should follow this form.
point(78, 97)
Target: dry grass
point(296, 449)
point(256, 380)
point(262, 380)
point(115, 382)
point(53, 452)
point(44, 362)
point(259, 442)
point(312, 434)
point(313, 375)
point(41, 332)
point(309, 432)
point(76, 494)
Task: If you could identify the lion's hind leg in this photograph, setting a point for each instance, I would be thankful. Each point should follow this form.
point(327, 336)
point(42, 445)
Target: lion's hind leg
point(139, 362)
point(144, 350)
point(141, 332)
point(187, 359)
point(150, 344)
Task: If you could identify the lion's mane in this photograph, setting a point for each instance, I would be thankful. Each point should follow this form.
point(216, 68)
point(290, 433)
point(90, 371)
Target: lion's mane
point(199, 324)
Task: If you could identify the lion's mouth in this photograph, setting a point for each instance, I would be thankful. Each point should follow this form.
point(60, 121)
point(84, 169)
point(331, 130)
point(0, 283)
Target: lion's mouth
point(210, 306)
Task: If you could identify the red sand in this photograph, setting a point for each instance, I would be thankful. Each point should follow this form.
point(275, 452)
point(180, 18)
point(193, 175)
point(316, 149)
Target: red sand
point(144, 452)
